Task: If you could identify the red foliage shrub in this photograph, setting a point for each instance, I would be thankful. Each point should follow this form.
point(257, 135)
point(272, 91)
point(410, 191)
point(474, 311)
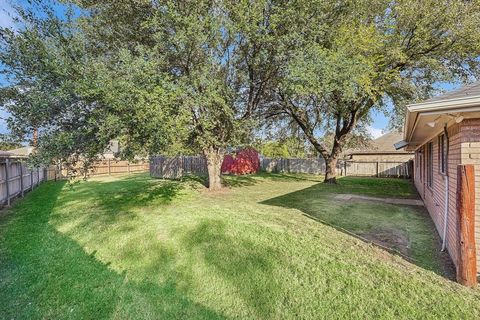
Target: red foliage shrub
point(228, 163)
point(246, 161)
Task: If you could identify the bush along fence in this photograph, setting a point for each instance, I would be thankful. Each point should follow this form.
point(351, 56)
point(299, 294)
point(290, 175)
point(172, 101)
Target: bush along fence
point(16, 179)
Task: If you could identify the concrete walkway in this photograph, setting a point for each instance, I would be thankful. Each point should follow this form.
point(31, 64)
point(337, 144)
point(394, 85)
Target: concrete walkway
point(410, 202)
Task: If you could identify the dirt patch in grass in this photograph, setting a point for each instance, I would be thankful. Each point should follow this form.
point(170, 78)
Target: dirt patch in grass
point(390, 238)
point(448, 268)
point(397, 241)
point(216, 193)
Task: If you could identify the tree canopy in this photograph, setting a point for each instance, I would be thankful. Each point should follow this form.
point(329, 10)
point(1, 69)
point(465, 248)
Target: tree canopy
point(371, 54)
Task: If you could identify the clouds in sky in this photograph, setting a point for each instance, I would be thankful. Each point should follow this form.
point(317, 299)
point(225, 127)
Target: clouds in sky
point(6, 14)
point(375, 132)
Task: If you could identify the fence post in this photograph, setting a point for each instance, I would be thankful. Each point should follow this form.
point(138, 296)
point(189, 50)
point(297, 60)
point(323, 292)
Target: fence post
point(21, 178)
point(377, 170)
point(345, 164)
point(467, 264)
point(109, 170)
point(7, 164)
point(128, 167)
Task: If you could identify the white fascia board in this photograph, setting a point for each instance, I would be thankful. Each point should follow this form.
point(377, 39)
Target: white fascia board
point(444, 104)
point(455, 110)
point(467, 104)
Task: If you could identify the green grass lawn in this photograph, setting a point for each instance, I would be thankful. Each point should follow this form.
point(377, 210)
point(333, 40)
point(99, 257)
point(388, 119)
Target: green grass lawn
point(273, 246)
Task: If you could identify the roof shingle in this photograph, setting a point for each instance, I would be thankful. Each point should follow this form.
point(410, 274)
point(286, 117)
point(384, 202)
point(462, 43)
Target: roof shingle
point(470, 90)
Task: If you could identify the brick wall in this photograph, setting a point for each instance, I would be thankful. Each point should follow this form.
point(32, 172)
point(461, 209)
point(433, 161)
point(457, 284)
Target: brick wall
point(464, 140)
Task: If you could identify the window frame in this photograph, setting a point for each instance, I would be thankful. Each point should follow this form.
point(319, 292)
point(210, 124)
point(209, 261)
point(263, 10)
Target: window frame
point(421, 169)
point(442, 154)
point(429, 164)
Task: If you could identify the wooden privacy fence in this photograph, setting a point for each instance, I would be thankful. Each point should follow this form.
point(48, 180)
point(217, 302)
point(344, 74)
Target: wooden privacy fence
point(16, 179)
point(312, 166)
point(176, 167)
point(103, 167)
point(384, 169)
point(108, 167)
point(344, 167)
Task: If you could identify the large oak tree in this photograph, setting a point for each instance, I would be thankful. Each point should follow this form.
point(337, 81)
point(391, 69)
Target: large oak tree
point(372, 54)
point(162, 76)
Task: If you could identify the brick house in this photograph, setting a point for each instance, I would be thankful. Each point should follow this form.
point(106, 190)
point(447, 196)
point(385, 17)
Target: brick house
point(444, 133)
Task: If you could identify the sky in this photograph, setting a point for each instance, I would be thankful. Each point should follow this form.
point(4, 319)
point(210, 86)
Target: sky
point(377, 128)
point(5, 21)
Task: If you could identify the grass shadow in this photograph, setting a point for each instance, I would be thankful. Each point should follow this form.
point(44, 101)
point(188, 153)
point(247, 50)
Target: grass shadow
point(239, 261)
point(118, 199)
point(403, 230)
point(233, 181)
point(45, 274)
point(236, 181)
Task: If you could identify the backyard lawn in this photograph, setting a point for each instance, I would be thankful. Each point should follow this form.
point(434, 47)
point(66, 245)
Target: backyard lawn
point(272, 246)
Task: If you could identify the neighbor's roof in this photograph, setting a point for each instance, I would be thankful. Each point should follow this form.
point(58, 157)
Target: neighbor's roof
point(427, 119)
point(5, 153)
point(463, 97)
point(23, 151)
point(382, 145)
point(471, 90)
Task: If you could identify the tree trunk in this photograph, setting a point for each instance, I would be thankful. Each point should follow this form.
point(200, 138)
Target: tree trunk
point(330, 170)
point(35, 138)
point(214, 158)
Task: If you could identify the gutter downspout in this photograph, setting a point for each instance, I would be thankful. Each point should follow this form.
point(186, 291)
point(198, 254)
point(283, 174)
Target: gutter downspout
point(445, 214)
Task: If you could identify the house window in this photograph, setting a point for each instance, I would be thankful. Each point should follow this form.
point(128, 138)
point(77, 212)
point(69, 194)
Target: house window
point(429, 164)
point(420, 164)
point(442, 153)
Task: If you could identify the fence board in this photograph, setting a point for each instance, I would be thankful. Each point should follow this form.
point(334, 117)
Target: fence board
point(16, 179)
point(176, 167)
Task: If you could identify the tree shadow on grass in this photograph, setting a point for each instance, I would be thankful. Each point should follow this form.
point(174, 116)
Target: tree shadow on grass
point(234, 181)
point(45, 274)
point(247, 266)
point(116, 200)
point(237, 181)
point(405, 231)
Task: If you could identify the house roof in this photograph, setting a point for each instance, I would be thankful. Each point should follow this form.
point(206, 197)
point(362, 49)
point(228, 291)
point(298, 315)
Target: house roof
point(470, 90)
point(382, 145)
point(23, 151)
point(428, 119)
point(5, 153)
